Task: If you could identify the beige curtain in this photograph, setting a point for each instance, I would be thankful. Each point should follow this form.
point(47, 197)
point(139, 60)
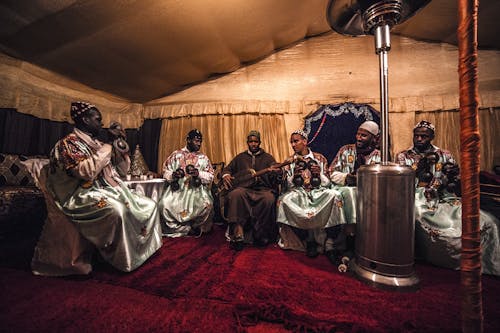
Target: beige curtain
point(448, 133)
point(224, 136)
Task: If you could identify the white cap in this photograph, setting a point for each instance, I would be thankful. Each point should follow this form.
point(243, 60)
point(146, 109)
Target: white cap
point(370, 126)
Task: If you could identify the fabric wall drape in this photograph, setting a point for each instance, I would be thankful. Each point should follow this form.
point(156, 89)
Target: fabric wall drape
point(148, 138)
point(448, 133)
point(335, 125)
point(29, 135)
point(224, 136)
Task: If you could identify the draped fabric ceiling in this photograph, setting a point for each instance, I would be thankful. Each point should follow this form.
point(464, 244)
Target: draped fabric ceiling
point(143, 50)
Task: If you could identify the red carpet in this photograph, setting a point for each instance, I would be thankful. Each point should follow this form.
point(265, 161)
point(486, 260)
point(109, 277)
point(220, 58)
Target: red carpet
point(200, 285)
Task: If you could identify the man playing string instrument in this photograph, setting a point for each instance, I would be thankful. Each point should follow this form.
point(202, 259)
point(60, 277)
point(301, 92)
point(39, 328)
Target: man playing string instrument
point(251, 207)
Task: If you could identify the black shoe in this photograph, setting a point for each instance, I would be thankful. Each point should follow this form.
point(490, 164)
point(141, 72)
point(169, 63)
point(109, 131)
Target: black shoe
point(333, 256)
point(350, 243)
point(237, 244)
point(311, 249)
point(260, 242)
point(194, 231)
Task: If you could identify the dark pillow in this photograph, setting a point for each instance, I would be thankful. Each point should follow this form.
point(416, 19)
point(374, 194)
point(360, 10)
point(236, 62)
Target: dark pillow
point(13, 172)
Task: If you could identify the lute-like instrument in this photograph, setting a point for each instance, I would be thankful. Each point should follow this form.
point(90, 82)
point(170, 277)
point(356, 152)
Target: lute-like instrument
point(246, 178)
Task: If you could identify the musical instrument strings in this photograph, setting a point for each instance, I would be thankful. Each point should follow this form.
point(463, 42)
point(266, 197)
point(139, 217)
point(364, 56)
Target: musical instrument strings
point(250, 174)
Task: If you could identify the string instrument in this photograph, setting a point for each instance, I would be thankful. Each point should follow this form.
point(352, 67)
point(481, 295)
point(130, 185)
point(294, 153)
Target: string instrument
point(245, 178)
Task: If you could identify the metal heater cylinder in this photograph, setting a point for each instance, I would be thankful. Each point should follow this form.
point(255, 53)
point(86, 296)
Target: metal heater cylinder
point(385, 226)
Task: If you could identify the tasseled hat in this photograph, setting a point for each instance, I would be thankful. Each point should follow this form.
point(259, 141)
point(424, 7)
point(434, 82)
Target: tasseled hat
point(425, 124)
point(194, 133)
point(300, 132)
point(80, 109)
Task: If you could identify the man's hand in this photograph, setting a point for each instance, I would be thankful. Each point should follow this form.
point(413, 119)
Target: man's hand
point(299, 167)
point(227, 181)
point(274, 168)
point(192, 171)
point(116, 131)
point(315, 169)
point(178, 174)
point(351, 179)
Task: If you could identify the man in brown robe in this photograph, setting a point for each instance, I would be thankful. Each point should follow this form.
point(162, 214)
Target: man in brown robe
point(251, 206)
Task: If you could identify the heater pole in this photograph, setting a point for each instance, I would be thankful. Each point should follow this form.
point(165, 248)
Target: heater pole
point(382, 47)
point(384, 235)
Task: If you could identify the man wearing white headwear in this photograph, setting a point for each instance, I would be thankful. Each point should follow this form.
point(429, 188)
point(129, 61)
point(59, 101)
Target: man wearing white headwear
point(308, 204)
point(343, 173)
point(350, 157)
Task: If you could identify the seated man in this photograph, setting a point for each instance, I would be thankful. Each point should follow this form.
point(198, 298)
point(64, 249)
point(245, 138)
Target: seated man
point(343, 173)
point(84, 183)
point(186, 205)
point(423, 134)
point(251, 204)
point(308, 205)
point(438, 209)
point(350, 157)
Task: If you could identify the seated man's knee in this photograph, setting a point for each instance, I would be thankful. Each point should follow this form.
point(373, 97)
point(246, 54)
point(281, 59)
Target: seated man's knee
point(350, 229)
point(333, 232)
point(236, 194)
point(269, 197)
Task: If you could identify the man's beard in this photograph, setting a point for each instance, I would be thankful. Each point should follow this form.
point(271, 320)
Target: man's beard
point(361, 145)
point(421, 148)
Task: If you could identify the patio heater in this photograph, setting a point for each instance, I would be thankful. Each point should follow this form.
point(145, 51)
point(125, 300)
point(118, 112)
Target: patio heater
point(385, 229)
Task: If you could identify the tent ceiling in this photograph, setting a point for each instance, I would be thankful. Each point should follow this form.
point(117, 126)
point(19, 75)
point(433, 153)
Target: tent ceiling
point(142, 50)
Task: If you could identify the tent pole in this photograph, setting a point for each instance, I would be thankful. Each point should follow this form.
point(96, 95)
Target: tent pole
point(470, 265)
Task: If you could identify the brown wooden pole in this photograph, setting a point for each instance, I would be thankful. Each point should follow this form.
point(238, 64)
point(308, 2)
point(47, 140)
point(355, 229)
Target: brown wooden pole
point(472, 311)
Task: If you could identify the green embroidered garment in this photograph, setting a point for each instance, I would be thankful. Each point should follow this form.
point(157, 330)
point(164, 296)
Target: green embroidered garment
point(187, 209)
point(83, 183)
point(305, 207)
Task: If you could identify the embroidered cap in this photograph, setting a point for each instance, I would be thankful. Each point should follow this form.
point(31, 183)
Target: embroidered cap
point(371, 127)
point(194, 133)
point(80, 109)
point(254, 133)
point(300, 132)
point(425, 124)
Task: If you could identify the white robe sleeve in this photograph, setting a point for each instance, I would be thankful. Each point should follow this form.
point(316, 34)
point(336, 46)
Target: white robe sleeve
point(91, 167)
